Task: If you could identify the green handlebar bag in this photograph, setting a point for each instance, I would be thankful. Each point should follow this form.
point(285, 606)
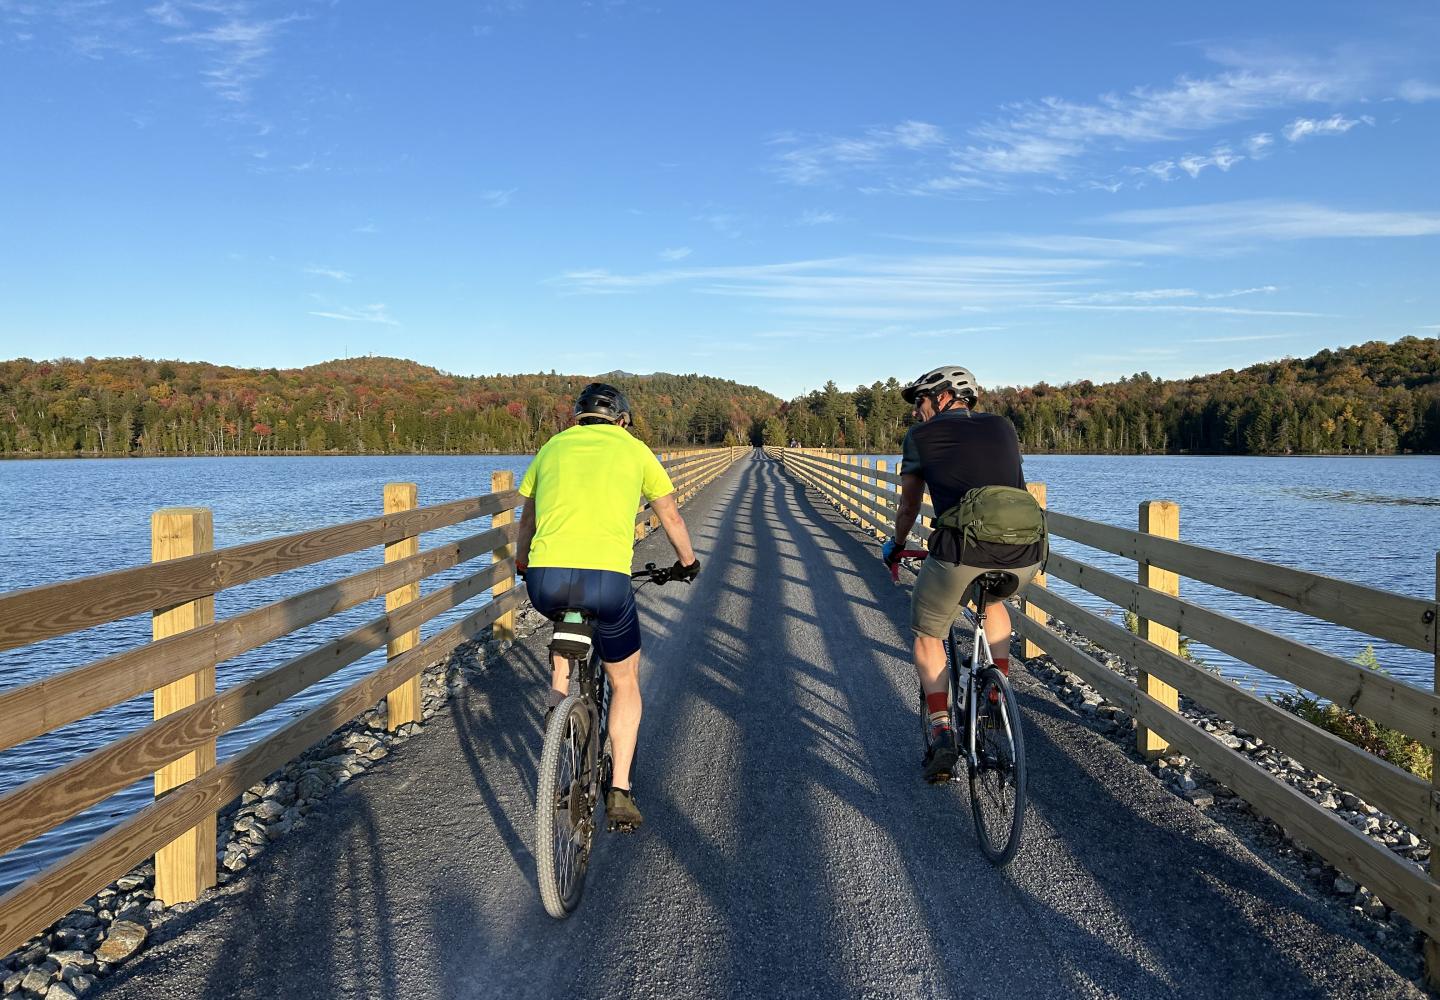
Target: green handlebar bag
point(1003, 515)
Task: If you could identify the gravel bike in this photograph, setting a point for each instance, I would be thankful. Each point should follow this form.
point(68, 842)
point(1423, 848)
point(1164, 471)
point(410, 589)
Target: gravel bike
point(575, 762)
point(987, 728)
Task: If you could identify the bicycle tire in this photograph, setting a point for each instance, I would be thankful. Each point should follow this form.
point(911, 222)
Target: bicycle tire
point(565, 801)
point(998, 776)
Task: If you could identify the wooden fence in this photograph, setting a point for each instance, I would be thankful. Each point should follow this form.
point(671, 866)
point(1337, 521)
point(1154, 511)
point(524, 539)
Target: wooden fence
point(867, 494)
point(178, 590)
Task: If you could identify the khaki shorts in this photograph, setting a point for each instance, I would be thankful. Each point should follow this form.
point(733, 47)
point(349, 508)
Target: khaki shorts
point(943, 587)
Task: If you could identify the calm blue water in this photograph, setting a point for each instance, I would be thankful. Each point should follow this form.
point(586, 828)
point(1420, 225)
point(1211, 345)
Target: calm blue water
point(1374, 521)
point(90, 516)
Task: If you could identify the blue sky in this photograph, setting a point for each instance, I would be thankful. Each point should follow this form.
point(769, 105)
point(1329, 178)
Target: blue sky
point(776, 193)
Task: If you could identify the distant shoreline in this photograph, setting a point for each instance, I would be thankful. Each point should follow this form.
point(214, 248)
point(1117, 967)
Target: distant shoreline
point(70, 456)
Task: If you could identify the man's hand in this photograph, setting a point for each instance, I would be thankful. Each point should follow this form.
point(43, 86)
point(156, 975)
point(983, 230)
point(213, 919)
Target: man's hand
point(890, 552)
point(686, 573)
point(522, 565)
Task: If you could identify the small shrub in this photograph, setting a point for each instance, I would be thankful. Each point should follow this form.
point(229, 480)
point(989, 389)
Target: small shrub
point(1386, 743)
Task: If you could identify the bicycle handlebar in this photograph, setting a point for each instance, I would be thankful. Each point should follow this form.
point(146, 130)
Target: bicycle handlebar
point(653, 574)
point(916, 554)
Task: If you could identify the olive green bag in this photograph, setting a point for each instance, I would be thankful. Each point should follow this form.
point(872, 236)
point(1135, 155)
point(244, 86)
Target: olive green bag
point(997, 514)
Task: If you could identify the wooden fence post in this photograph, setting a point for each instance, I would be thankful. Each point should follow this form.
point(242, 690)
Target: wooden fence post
point(402, 705)
point(185, 867)
point(1432, 946)
point(1162, 518)
point(881, 488)
point(1030, 650)
point(504, 627)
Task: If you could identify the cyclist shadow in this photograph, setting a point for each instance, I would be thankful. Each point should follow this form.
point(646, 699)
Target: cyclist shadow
point(499, 736)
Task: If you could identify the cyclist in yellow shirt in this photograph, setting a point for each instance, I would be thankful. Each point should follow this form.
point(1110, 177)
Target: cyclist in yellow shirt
point(577, 540)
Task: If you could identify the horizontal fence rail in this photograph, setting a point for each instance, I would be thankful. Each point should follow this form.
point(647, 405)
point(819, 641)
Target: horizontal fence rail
point(187, 727)
point(868, 495)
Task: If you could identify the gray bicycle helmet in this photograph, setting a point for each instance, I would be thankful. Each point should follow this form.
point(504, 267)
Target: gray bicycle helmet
point(601, 400)
point(958, 380)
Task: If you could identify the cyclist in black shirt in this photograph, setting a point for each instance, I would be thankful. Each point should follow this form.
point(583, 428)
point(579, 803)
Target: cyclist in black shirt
point(952, 450)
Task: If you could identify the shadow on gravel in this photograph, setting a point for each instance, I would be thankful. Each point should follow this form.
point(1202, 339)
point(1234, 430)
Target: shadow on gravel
point(311, 920)
point(762, 879)
point(484, 735)
point(1205, 922)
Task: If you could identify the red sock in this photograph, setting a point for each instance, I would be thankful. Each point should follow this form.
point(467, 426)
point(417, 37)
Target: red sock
point(938, 705)
point(1002, 663)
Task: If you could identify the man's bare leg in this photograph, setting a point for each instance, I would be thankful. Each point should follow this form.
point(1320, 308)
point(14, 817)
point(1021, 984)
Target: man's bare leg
point(559, 680)
point(625, 709)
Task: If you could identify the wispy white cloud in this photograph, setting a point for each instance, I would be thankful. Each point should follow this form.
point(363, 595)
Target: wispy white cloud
point(498, 197)
point(1057, 138)
point(1236, 293)
point(237, 44)
point(1302, 128)
point(345, 277)
point(1242, 339)
point(376, 313)
point(727, 224)
point(810, 158)
point(1171, 308)
point(866, 288)
point(675, 253)
point(816, 217)
point(1419, 91)
point(367, 229)
point(1275, 220)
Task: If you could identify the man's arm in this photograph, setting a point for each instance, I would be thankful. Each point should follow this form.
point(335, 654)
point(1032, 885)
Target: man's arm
point(912, 491)
point(675, 530)
point(527, 535)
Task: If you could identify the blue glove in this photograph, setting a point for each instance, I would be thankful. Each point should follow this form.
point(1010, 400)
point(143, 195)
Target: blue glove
point(888, 552)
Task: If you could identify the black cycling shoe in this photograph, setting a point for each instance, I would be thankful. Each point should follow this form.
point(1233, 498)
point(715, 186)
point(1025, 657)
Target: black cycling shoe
point(621, 812)
point(940, 755)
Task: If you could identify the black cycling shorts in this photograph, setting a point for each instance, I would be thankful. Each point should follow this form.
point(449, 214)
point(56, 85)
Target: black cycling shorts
point(603, 593)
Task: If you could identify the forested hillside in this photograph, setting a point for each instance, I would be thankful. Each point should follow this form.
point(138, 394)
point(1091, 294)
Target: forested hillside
point(1376, 398)
point(131, 406)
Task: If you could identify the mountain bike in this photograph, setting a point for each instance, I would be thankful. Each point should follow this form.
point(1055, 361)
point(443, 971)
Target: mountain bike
point(575, 762)
point(987, 731)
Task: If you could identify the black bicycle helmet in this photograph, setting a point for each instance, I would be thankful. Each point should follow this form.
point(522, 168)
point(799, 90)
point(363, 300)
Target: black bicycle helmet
point(958, 380)
point(601, 400)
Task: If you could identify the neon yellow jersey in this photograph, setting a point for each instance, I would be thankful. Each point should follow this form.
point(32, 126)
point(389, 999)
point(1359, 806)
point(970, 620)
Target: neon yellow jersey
point(586, 484)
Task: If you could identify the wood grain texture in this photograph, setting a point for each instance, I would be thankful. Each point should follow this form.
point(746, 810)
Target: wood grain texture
point(1370, 693)
point(1158, 519)
point(185, 867)
point(51, 798)
point(56, 609)
point(402, 706)
point(1379, 613)
point(1030, 610)
point(55, 701)
point(503, 482)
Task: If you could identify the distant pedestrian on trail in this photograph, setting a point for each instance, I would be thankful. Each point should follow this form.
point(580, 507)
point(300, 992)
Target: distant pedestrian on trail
point(954, 451)
point(577, 540)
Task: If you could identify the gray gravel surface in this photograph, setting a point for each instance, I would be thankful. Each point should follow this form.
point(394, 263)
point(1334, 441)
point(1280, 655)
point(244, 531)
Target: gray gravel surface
point(790, 848)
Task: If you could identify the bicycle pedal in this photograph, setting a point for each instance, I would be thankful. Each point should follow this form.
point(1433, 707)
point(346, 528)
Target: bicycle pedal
point(614, 827)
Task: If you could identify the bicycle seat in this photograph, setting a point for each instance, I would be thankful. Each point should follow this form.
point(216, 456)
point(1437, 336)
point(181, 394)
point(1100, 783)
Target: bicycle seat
point(998, 583)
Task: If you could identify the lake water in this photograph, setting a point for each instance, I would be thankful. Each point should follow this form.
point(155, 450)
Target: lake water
point(1375, 520)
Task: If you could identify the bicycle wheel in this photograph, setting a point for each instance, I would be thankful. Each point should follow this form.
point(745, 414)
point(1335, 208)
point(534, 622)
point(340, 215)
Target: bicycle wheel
point(565, 806)
point(997, 779)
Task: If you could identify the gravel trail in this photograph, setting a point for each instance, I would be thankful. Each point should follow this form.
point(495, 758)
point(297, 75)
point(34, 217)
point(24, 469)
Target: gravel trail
point(790, 848)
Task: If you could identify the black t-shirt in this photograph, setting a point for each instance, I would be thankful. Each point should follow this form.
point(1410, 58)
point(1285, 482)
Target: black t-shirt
point(955, 452)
